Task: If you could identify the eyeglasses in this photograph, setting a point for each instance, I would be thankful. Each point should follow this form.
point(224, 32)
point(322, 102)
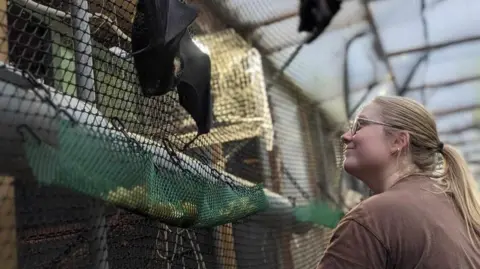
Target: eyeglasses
point(358, 123)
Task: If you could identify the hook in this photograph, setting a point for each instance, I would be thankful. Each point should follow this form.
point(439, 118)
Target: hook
point(121, 126)
point(69, 116)
point(29, 130)
point(170, 148)
point(31, 78)
point(35, 84)
point(293, 200)
point(185, 147)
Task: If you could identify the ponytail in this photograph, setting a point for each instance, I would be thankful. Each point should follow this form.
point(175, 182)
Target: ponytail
point(461, 184)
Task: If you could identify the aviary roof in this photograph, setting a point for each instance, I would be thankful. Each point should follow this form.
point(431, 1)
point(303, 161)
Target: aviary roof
point(442, 39)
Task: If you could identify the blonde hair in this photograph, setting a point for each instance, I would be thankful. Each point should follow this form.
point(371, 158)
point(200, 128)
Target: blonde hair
point(455, 177)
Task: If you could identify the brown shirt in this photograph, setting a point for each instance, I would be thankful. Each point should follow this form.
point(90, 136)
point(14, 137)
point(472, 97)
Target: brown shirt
point(407, 227)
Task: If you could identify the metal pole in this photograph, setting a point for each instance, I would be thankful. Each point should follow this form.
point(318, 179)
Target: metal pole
point(83, 50)
point(97, 240)
point(85, 81)
point(383, 54)
point(434, 46)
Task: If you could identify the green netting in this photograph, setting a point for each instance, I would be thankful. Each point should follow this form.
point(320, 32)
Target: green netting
point(114, 169)
point(319, 213)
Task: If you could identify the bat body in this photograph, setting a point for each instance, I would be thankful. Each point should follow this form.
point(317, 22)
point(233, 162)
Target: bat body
point(157, 29)
point(316, 15)
point(159, 36)
point(194, 86)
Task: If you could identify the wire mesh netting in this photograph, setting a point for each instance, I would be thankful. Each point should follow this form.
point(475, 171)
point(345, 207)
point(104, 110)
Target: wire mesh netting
point(130, 142)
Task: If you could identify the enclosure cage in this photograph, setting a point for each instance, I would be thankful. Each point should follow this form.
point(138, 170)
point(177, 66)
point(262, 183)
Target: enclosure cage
point(97, 175)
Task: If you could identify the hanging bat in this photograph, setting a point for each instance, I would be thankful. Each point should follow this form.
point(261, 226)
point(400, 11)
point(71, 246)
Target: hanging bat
point(316, 15)
point(157, 29)
point(194, 88)
point(159, 38)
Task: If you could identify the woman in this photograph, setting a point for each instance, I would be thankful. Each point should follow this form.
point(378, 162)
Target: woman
point(420, 216)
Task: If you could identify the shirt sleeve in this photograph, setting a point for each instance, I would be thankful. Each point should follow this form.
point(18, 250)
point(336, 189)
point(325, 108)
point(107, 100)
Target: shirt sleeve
point(354, 246)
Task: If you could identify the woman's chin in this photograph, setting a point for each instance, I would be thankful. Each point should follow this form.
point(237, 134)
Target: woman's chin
point(349, 164)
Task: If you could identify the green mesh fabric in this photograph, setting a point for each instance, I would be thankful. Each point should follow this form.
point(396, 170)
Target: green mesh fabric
point(112, 168)
point(319, 213)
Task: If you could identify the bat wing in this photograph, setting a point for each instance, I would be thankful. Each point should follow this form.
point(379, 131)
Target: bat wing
point(179, 17)
point(194, 88)
point(167, 19)
point(157, 30)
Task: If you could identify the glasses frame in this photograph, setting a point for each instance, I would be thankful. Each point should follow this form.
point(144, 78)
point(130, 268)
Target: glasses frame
point(354, 124)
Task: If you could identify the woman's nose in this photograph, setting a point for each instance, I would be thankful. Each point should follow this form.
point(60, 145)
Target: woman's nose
point(347, 137)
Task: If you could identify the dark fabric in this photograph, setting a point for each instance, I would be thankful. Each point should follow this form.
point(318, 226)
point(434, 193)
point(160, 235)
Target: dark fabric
point(411, 225)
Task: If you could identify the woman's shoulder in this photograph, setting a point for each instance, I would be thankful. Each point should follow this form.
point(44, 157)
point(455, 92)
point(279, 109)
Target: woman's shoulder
point(383, 204)
point(390, 211)
point(402, 198)
point(369, 208)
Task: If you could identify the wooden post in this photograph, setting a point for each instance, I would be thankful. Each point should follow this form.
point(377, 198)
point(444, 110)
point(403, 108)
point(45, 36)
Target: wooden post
point(8, 227)
point(3, 32)
point(276, 178)
point(8, 230)
point(309, 154)
point(225, 242)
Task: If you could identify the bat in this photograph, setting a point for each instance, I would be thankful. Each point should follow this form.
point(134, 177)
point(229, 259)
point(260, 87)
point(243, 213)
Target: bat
point(158, 27)
point(159, 39)
point(194, 88)
point(316, 15)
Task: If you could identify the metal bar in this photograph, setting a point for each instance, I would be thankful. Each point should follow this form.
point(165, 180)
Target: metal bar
point(463, 142)
point(404, 88)
point(346, 79)
point(446, 84)
point(416, 88)
point(434, 46)
point(381, 50)
point(86, 91)
point(460, 129)
point(446, 112)
point(279, 18)
point(83, 50)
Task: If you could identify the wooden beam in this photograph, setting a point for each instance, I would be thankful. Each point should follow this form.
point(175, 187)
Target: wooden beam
point(8, 230)
point(3, 32)
point(309, 153)
point(275, 169)
point(276, 181)
point(225, 242)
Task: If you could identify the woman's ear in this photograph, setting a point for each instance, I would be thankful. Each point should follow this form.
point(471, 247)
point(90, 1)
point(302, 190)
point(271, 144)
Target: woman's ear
point(400, 140)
